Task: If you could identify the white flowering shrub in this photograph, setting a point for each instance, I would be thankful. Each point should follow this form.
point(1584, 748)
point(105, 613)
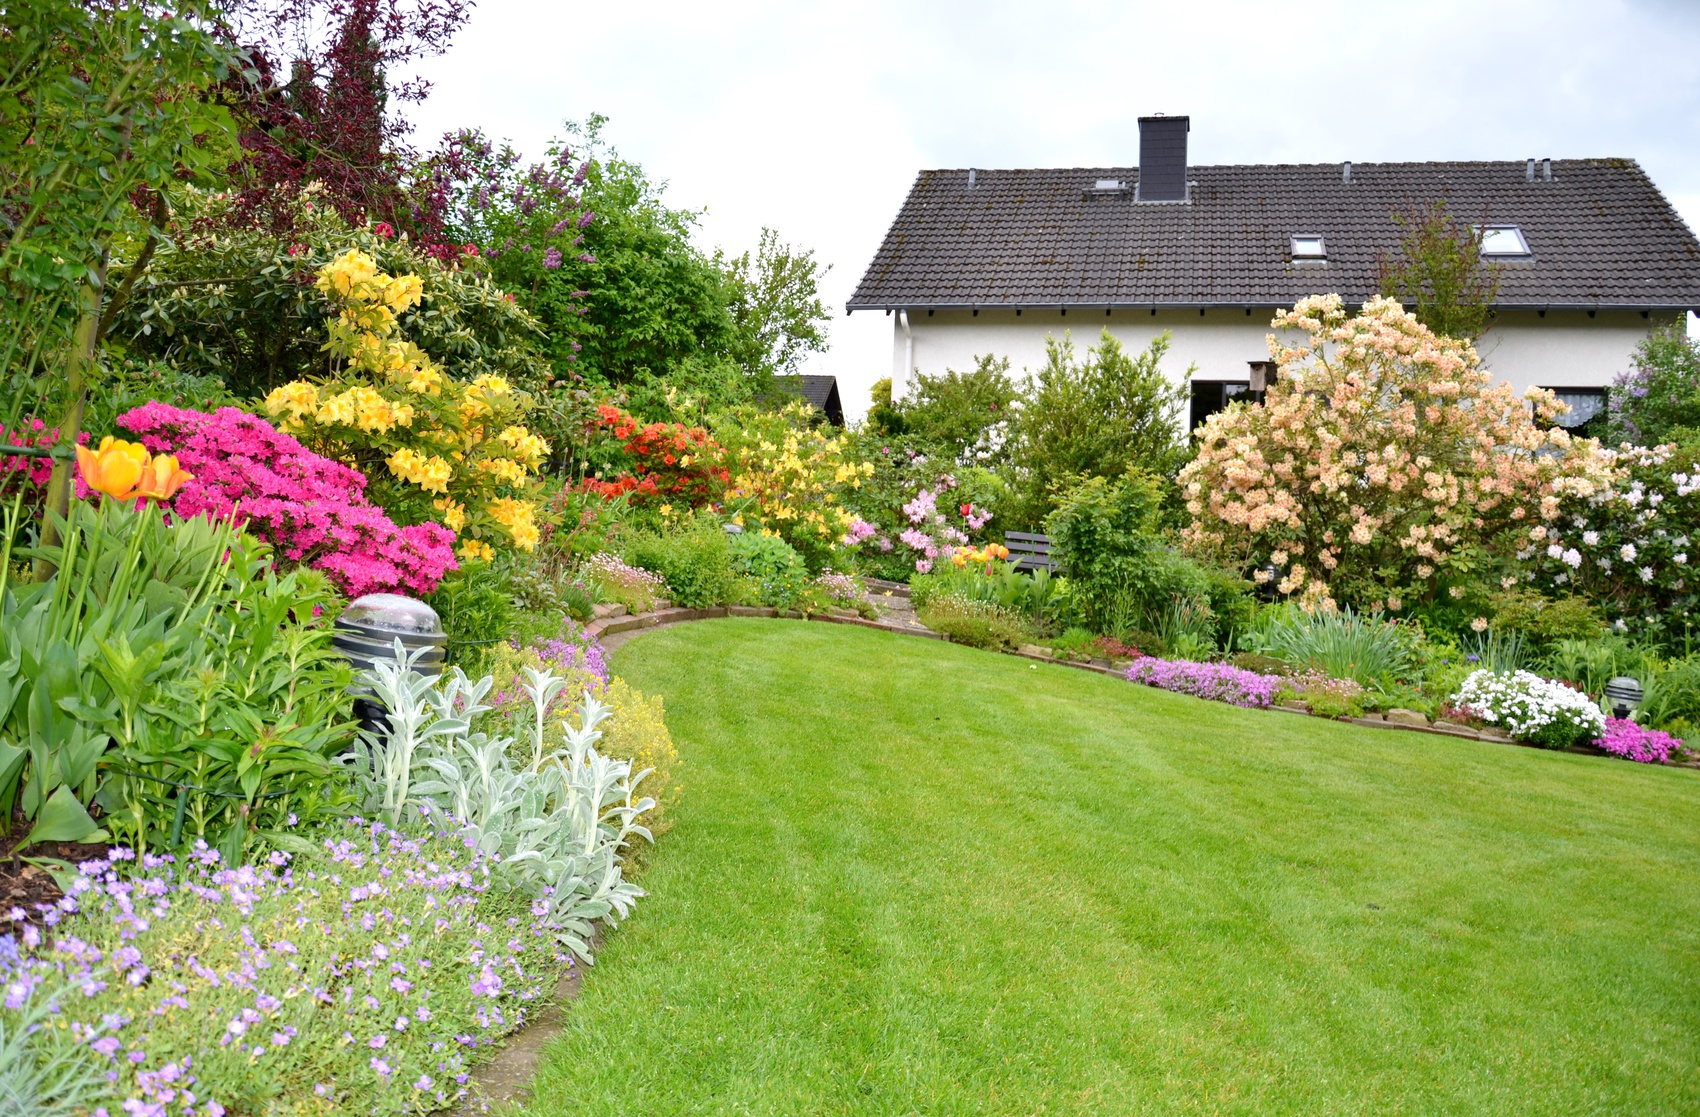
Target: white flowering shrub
point(1531, 708)
point(1631, 547)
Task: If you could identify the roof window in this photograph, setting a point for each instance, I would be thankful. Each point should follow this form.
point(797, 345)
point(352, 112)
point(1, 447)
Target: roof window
point(1503, 240)
point(1307, 246)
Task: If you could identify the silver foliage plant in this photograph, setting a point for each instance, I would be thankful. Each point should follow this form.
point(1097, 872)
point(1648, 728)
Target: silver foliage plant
point(558, 823)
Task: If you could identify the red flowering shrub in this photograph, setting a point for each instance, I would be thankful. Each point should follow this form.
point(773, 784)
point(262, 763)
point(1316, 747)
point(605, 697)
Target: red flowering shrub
point(678, 464)
point(312, 510)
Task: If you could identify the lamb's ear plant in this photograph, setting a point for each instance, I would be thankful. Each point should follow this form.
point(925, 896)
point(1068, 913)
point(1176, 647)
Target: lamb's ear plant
point(416, 715)
point(557, 824)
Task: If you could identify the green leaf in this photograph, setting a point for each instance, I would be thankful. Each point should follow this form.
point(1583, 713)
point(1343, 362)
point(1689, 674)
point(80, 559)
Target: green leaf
point(62, 819)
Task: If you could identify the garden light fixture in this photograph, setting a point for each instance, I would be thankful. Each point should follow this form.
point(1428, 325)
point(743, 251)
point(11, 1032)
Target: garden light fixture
point(1625, 694)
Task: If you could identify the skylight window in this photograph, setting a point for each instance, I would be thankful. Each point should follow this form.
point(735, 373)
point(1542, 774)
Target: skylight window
point(1108, 184)
point(1309, 247)
point(1504, 240)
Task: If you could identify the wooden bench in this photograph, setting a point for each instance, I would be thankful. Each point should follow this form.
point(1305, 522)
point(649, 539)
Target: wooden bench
point(1030, 550)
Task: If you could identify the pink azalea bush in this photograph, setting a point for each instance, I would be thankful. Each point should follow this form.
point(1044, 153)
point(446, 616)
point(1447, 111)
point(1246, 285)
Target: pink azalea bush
point(312, 510)
point(1219, 682)
point(1633, 742)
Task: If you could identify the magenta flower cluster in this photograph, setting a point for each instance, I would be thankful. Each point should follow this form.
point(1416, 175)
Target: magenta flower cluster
point(312, 510)
point(1634, 742)
point(1219, 682)
point(376, 968)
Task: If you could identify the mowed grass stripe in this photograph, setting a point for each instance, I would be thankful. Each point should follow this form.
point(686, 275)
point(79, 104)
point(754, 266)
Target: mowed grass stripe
point(908, 877)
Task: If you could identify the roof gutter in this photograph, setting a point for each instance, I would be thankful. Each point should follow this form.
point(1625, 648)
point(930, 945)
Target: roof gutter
point(1230, 304)
point(908, 350)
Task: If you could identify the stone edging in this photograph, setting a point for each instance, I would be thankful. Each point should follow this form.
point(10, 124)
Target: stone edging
point(622, 623)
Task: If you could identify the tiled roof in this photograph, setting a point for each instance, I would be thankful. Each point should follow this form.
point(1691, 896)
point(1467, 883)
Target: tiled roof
point(1601, 235)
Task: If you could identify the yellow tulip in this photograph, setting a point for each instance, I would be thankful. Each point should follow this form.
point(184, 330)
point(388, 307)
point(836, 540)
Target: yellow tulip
point(113, 467)
point(161, 478)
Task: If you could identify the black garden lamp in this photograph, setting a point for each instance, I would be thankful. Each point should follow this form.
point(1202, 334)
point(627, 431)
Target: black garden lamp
point(1625, 694)
point(1269, 590)
point(367, 631)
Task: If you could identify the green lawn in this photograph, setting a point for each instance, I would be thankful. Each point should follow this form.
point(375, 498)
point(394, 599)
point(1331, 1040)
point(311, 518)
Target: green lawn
point(912, 878)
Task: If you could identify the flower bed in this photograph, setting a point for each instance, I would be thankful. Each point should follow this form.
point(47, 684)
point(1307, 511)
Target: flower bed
point(1531, 708)
point(1219, 682)
point(313, 510)
point(1624, 738)
point(370, 974)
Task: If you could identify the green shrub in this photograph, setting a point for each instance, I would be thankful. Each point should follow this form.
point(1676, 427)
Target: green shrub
point(475, 608)
point(975, 623)
point(1545, 621)
point(1672, 698)
point(1261, 664)
point(694, 557)
point(1341, 643)
point(1075, 643)
point(777, 574)
point(1122, 578)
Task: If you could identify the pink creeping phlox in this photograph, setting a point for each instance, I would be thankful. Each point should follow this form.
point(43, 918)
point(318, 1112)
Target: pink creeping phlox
point(1218, 682)
point(311, 509)
point(1633, 742)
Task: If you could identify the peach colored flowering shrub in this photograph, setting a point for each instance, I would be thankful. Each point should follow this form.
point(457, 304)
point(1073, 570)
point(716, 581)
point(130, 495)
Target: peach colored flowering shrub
point(1384, 466)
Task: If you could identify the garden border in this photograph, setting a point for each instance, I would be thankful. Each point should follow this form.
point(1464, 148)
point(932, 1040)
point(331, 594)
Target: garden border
point(624, 626)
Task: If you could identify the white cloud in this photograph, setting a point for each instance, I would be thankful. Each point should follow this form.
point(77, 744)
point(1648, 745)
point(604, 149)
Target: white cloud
point(814, 118)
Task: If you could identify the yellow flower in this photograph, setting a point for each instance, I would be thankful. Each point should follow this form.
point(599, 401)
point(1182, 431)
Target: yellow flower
point(114, 466)
point(404, 293)
point(338, 409)
point(454, 515)
point(474, 550)
point(431, 474)
point(296, 397)
point(348, 271)
point(503, 470)
point(527, 446)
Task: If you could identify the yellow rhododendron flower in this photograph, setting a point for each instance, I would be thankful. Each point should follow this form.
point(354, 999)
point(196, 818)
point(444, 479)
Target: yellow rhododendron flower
point(338, 409)
point(503, 470)
point(476, 550)
point(531, 449)
point(297, 397)
point(454, 514)
point(430, 473)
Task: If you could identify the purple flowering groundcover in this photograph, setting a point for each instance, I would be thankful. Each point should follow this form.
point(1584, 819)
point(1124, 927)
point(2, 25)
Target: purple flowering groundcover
point(371, 974)
point(1220, 682)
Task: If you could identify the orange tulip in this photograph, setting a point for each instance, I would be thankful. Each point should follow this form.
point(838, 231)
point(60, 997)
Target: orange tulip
point(113, 467)
point(161, 478)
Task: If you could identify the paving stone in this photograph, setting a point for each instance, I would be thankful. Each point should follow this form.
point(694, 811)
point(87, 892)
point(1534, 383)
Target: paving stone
point(612, 609)
point(628, 623)
point(750, 611)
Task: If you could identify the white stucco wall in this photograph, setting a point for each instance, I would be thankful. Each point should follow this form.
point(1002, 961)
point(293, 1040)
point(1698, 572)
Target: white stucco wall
point(1563, 349)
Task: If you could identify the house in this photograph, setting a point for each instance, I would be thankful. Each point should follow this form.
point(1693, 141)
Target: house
point(819, 392)
point(995, 261)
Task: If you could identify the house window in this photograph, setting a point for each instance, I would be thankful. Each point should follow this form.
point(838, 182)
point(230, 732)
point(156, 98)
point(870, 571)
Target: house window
point(1504, 240)
point(1586, 405)
point(1307, 246)
point(1211, 396)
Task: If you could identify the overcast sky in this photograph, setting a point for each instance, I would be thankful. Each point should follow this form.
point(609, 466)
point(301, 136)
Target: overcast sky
point(814, 118)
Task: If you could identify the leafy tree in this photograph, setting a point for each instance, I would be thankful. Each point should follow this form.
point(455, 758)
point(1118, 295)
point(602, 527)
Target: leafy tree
point(1658, 400)
point(323, 107)
point(774, 299)
point(101, 106)
point(237, 302)
point(1095, 417)
point(586, 242)
point(964, 414)
point(1439, 274)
